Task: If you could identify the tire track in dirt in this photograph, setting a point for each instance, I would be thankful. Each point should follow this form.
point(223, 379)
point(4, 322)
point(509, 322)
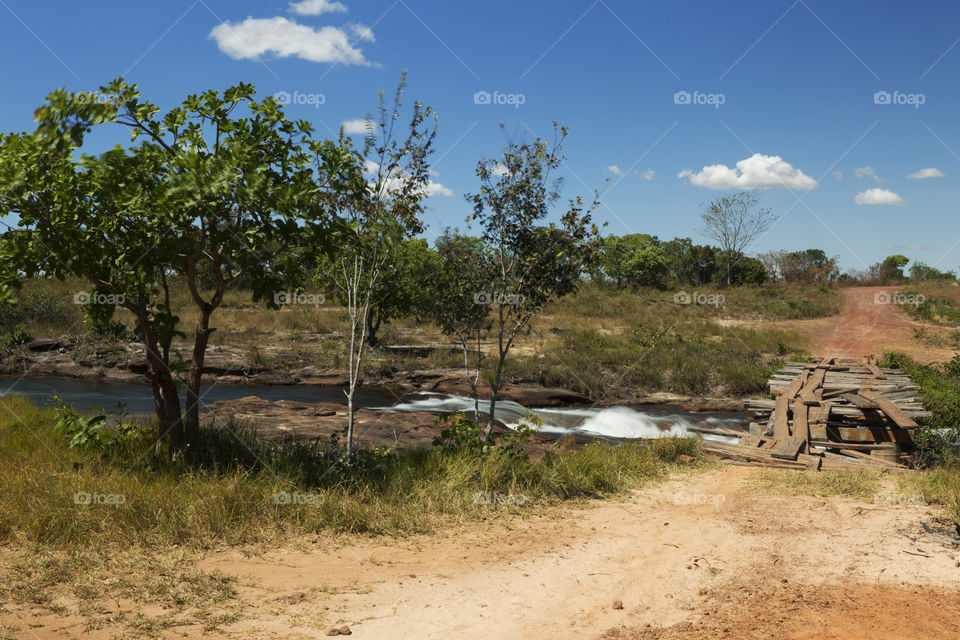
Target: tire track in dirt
point(667, 553)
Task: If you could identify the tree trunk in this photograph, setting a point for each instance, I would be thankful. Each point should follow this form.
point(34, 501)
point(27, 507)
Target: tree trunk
point(494, 390)
point(350, 419)
point(165, 397)
point(174, 419)
point(194, 379)
point(373, 326)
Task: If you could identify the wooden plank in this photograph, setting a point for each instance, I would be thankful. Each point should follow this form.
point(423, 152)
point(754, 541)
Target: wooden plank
point(860, 401)
point(816, 380)
point(801, 426)
point(893, 411)
point(793, 446)
point(875, 370)
point(788, 449)
point(811, 398)
point(781, 427)
point(818, 421)
point(839, 392)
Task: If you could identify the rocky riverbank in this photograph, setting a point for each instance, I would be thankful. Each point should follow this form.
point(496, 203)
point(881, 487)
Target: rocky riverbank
point(228, 366)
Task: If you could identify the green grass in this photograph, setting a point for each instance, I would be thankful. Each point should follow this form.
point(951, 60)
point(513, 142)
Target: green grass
point(936, 486)
point(940, 305)
point(143, 547)
point(615, 345)
point(857, 485)
point(226, 497)
point(142, 543)
point(695, 357)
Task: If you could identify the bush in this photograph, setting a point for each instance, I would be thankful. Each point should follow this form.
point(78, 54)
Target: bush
point(937, 442)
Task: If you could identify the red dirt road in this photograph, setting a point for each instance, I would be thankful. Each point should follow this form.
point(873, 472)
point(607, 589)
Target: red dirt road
point(870, 324)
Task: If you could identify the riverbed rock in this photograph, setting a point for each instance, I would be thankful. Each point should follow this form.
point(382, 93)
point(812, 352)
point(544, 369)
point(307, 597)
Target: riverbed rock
point(47, 344)
point(323, 420)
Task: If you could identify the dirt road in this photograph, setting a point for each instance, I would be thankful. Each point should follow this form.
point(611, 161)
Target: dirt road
point(870, 323)
point(703, 556)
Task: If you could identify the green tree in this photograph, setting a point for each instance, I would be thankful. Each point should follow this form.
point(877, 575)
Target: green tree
point(531, 263)
point(635, 260)
point(892, 267)
point(207, 187)
point(403, 290)
point(465, 268)
point(923, 272)
point(748, 270)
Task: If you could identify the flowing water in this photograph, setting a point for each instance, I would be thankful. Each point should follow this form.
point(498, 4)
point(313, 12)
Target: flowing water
point(99, 395)
point(606, 423)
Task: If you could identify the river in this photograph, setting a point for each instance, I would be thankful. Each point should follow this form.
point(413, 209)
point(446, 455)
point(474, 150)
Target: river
point(613, 423)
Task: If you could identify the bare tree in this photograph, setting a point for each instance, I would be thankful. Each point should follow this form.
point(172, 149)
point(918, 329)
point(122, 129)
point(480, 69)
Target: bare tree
point(378, 218)
point(734, 222)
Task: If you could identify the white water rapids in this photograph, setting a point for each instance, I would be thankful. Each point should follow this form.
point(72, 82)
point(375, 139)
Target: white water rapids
point(614, 423)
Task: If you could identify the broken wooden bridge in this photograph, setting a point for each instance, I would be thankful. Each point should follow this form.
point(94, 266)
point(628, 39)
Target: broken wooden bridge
point(832, 414)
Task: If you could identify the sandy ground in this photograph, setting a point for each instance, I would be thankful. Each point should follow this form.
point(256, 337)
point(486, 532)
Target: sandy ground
point(703, 555)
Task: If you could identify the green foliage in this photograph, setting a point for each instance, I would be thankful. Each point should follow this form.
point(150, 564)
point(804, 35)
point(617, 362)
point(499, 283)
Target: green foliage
point(933, 308)
point(39, 308)
point(922, 272)
point(691, 264)
point(748, 271)
point(94, 432)
point(529, 263)
point(16, 338)
point(810, 265)
point(460, 433)
point(734, 221)
point(937, 442)
point(222, 185)
point(635, 260)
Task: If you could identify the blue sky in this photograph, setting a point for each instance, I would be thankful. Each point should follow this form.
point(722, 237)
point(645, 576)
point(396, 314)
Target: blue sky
point(797, 83)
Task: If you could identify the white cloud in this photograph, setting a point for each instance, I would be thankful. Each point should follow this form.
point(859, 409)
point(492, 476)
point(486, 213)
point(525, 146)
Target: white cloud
point(929, 172)
point(392, 183)
point(879, 196)
point(646, 175)
point(499, 170)
point(838, 175)
point(867, 175)
point(256, 36)
point(437, 189)
point(357, 126)
point(316, 7)
point(906, 247)
point(362, 32)
point(756, 172)
point(615, 170)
